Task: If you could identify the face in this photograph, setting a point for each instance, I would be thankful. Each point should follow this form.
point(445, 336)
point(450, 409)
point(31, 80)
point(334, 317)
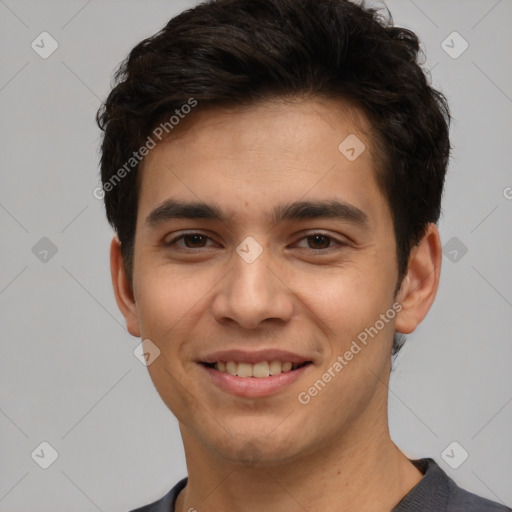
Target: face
point(267, 273)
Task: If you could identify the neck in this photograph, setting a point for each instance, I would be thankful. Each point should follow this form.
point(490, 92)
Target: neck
point(349, 472)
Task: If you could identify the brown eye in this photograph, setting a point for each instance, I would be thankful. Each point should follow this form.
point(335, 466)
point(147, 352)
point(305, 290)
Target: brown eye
point(319, 240)
point(190, 241)
point(195, 240)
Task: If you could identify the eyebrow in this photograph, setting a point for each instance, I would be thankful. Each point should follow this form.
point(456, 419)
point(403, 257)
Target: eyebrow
point(300, 210)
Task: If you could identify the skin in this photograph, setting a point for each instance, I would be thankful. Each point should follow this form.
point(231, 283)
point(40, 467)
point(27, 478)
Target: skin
point(334, 453)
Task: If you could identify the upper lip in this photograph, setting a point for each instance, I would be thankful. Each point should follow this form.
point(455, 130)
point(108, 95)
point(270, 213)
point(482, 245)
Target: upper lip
point(253, 357)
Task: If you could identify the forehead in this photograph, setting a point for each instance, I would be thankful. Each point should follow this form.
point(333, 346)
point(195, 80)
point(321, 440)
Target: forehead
point(265, 155)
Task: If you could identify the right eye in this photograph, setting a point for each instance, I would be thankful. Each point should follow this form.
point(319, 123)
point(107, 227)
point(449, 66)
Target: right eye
point(192, 241)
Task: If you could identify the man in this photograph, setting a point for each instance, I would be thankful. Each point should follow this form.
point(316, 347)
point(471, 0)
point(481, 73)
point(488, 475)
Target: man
point(273, 170)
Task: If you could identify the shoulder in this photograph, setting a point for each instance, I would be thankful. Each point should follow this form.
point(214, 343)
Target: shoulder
point(437, 492)
point(461, 500)
point(167, 502)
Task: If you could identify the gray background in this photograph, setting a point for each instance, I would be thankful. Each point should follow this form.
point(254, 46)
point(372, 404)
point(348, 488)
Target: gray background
point(67, 369)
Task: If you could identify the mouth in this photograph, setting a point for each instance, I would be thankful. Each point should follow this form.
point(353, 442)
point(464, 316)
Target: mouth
point(255, 380)
point(262, 369)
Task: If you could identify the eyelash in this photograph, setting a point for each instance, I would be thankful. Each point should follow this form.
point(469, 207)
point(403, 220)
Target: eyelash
point(190, 250)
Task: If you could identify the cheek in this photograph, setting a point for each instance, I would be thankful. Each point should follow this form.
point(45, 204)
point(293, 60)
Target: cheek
point(347, 295)
point(166, 300)
point(345, 304)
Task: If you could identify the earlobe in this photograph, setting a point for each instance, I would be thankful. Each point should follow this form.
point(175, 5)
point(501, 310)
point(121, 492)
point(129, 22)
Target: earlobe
point(420, 286)
point(123, 289)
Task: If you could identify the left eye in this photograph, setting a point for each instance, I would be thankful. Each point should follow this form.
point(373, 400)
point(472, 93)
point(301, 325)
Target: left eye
point(320, 239)
point(316, 241)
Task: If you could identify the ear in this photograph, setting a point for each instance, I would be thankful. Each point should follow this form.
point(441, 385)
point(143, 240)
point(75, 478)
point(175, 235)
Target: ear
point(123, 289)
point(419, 287)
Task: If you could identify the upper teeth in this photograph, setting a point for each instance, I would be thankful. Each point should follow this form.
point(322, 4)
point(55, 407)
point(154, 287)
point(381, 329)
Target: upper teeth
point(262, 369)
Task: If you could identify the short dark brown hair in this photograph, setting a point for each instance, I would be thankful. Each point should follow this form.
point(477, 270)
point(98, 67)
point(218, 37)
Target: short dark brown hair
point(237, 52)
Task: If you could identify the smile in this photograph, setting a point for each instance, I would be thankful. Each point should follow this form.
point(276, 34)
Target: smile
point(254, 380)
point(259, 370)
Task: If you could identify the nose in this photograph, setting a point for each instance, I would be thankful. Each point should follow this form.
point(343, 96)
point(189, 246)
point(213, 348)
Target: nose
point(252, 293)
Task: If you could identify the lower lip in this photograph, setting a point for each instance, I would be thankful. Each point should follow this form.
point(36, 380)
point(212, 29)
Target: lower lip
point(254, 387)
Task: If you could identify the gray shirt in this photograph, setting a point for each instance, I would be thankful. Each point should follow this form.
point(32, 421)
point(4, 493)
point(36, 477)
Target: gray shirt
point(435, 492)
